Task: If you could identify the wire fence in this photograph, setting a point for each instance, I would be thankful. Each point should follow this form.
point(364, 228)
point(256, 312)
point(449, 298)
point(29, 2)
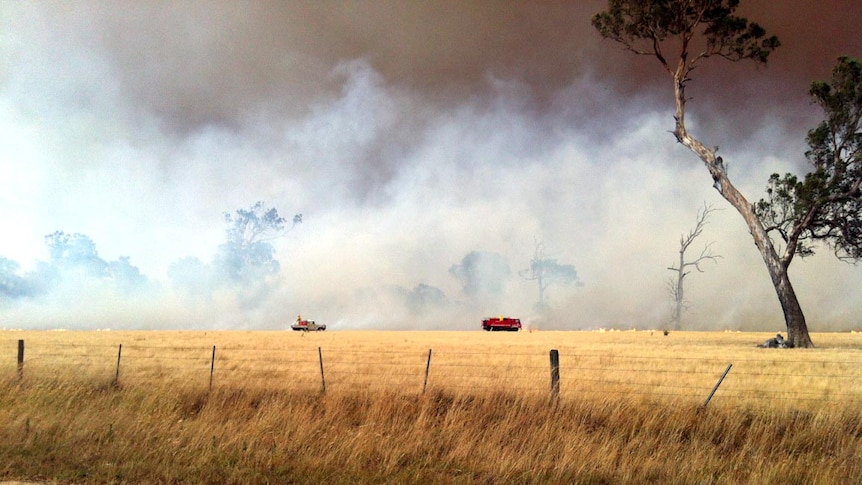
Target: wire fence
point(578, 374)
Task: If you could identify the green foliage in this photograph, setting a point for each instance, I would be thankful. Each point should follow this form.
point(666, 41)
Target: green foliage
point(688, 31)
point(645, 26)
point(826, 204)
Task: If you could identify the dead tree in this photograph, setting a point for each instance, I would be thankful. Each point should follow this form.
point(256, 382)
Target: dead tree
point(682, 269)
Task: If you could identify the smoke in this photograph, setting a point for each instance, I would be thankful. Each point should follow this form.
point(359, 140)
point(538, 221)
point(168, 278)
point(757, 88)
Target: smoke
point(410, 136)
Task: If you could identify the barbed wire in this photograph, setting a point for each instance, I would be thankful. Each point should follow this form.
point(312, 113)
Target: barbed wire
point(564, 352)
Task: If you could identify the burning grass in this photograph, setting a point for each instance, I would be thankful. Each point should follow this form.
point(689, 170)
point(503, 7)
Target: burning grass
point(86, 430)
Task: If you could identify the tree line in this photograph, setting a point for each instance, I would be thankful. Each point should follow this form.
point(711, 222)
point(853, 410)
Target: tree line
point(246, 264)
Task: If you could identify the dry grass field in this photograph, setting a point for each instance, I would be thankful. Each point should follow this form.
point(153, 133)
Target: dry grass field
point(630, 408)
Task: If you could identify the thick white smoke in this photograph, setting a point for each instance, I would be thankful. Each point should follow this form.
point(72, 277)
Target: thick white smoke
point(140, 127)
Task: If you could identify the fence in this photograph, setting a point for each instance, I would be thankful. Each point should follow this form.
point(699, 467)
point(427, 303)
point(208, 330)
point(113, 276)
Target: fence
point(566, 372)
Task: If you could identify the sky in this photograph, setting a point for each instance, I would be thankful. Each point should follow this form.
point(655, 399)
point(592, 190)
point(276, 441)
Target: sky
point(408, 135)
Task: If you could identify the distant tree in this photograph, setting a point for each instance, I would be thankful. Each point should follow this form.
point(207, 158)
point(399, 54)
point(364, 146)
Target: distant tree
point(74, 261)
point(126, 277)
point(481, 273)
point(192, 276)
point(425, 297)
point(247, 253)
point(675, 283)
point(546, 272)
point(245, 261)
point(75, 252)
point(825, 206)
point(12, 285)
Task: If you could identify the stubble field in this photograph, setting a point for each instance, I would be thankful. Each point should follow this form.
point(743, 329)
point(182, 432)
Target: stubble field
point(427, 407)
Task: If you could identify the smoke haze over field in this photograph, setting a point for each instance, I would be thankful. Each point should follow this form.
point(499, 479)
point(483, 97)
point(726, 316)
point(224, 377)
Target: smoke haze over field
point(409, 135)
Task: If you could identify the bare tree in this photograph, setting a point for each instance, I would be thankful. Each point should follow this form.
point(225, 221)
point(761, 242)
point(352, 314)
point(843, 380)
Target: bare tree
point(682, 269)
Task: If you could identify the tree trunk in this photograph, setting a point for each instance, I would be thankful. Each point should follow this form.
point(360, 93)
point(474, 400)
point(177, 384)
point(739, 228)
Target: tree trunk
point(541, 292)
point(679, 297)
point(797, 329)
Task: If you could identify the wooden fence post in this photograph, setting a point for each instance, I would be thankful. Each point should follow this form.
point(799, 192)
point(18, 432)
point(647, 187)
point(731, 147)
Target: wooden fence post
point(427, 368)
point(555, 375)
point(212, 368)
point(20, 359)
point(720, 379)
point(322, 379)
point(117, 375)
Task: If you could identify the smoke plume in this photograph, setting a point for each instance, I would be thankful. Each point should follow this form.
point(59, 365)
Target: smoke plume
point(428, 145)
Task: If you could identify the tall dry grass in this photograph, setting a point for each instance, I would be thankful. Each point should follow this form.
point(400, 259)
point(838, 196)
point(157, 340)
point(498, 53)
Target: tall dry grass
point(630, 410)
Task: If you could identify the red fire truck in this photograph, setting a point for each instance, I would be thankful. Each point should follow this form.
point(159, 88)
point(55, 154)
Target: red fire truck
point(501, 323)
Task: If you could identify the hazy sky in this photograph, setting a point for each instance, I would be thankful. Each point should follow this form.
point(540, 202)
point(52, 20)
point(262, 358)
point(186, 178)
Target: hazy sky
point(408, 134)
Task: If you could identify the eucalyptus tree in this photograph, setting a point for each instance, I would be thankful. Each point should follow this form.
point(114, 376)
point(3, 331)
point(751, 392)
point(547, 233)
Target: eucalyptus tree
point(825, 204)
point(247, 253)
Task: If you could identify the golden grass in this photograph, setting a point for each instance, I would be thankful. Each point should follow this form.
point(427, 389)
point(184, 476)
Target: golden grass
point(630, 409)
